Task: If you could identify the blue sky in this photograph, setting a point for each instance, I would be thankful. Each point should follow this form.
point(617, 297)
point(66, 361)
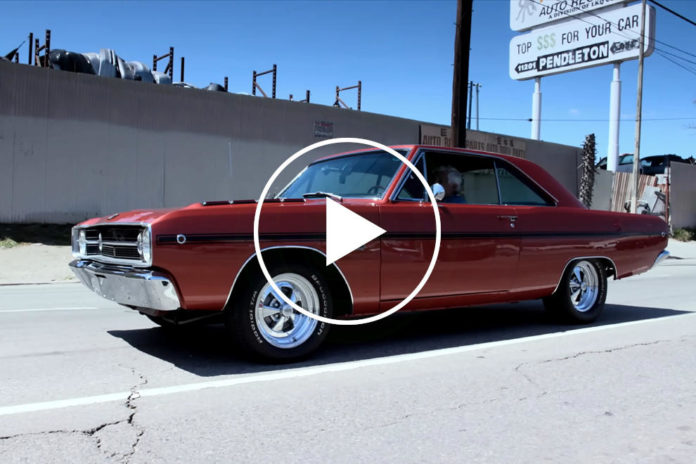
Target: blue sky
point(401, 50)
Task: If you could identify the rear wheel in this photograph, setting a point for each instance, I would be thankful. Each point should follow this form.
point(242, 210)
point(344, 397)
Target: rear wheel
point(581, 294)
point(266, 327)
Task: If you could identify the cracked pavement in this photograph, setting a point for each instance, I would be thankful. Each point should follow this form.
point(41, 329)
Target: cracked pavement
point(116, 441)
point(515, 386)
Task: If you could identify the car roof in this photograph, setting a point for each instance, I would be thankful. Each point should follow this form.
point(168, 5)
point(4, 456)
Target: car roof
point(362, 150)
point(537, 173)
point(672, 157)
point(418, 146)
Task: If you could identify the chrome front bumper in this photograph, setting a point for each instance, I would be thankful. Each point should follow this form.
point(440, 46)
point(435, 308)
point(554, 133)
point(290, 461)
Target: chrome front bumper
point(141, 288)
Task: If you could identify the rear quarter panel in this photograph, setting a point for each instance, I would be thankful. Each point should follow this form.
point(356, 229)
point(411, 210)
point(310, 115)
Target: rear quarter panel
point(554, 236)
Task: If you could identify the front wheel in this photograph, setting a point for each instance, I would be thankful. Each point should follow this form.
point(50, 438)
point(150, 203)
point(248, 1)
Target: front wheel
point(266, 327)
point(581, 294)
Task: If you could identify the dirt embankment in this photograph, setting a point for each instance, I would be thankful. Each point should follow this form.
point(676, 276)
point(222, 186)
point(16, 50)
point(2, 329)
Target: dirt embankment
point(35, 253)
point(35, 263)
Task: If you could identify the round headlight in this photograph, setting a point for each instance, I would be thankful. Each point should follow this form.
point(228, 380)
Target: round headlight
point(82, 243)
point(139, 241)
point(144, 246)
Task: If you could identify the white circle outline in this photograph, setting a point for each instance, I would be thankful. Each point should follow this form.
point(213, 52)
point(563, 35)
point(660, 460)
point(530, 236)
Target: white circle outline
point(383, 314)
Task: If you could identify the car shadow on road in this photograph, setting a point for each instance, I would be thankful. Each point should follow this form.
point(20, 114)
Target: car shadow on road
point(205, 350)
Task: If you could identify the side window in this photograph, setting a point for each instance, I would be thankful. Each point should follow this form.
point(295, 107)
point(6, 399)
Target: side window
point(413, 188)
point(514, 190)
point(466, 178)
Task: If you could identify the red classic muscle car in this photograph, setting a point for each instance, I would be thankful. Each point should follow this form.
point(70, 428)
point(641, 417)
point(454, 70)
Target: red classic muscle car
point(510, 232)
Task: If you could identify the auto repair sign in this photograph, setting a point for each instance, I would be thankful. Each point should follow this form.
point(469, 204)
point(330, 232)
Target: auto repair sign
point(582, 42)
point(526, 14)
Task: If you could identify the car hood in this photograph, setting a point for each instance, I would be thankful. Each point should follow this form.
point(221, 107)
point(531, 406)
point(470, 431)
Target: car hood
point(230, 217)
point(140, 216)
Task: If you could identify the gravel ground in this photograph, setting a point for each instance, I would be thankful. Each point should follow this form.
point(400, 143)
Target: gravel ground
point(37, 263)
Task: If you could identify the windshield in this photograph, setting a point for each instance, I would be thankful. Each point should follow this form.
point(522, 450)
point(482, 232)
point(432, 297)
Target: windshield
point(363, 175)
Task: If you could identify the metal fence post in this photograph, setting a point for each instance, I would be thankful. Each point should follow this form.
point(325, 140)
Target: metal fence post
point(359, 94)
point(48, 45)
point(275, 69)
point(171, 63)
point(31, 49)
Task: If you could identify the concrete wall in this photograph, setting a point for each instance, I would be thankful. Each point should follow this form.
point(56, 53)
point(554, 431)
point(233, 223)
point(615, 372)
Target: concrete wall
point(74, 146)
point(682, 196)
point(561, 161)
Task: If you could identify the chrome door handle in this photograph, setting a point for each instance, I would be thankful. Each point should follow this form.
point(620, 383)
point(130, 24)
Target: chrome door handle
point(512, 220)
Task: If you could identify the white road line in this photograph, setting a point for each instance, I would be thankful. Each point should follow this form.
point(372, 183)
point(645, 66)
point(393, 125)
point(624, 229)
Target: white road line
point(33, 310)
point(307, 371)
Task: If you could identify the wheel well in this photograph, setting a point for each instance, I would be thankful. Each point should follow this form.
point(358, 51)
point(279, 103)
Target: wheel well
point(606, 263)
point(609, 266)
point(338, 286)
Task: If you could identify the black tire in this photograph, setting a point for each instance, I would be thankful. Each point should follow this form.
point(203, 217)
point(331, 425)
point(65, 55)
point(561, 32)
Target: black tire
point(581, 293)
point(250, 327)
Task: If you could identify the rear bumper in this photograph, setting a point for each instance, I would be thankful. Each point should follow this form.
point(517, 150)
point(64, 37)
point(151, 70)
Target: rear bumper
point(141, 288)
point(664, 254)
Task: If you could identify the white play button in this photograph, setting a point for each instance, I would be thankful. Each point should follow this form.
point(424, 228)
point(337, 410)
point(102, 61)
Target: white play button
point(346, 231)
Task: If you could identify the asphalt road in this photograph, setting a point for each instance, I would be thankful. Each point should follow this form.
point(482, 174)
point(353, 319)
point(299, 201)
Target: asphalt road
point(83, 380)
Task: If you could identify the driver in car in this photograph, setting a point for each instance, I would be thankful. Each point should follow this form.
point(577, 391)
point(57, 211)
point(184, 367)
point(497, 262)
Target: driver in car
point(451, 180)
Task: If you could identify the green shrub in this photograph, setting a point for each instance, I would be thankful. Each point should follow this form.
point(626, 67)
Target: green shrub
point(6, 242)
point(684, 235)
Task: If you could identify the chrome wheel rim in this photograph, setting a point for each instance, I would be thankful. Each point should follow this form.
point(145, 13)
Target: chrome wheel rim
point(278, 323)
point(584, 286)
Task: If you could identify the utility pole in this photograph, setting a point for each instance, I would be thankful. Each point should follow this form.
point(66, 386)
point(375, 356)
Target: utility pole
point(614, 119)
point(639, 112)
point(460, 78)
point(478, 86)
point(471, 93)
point(536, 110)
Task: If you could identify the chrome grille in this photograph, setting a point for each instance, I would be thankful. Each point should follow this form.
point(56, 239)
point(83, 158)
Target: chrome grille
point(114, 243)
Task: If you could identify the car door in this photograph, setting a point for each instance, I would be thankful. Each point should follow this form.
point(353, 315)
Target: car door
point(549, 234)
point(479, 249)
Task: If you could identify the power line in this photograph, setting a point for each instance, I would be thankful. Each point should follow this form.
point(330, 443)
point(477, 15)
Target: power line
point(676, 56)
point(673, 47)
point(627, 36)
point(673, 12)
point(692, 71)
point(589, 120)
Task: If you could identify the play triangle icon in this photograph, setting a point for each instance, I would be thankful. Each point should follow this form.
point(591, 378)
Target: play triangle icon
point(346, 231)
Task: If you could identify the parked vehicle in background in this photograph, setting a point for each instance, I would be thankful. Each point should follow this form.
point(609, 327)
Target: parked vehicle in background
point(625, 163)
point(510, 232)
point(624, 160)
point(650, 165)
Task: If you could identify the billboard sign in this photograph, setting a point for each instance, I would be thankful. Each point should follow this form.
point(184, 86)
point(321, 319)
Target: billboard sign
point(526, 14)
point(438, 136)
point(582, 42)
point(441, 136)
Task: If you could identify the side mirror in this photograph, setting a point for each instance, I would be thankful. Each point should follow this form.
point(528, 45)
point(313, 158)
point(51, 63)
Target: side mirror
point(438, 191)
